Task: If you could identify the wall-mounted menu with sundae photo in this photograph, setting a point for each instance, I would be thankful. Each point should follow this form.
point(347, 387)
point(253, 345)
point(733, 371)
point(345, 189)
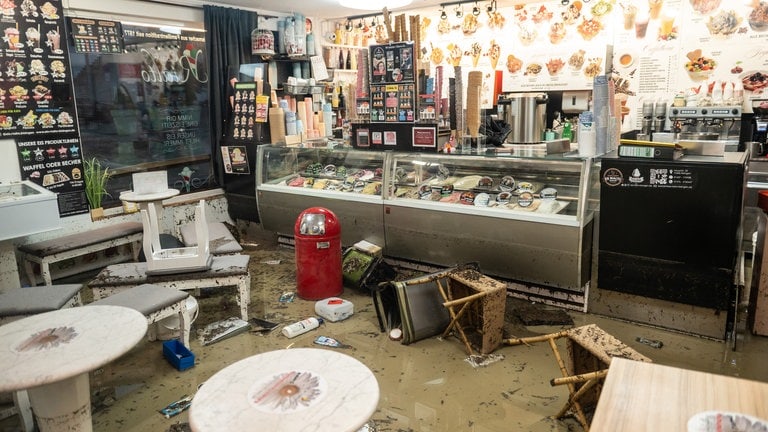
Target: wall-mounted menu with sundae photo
point(37, 108)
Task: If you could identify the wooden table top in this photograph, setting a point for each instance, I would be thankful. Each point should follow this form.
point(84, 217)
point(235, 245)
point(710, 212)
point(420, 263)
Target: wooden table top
point(640, 396)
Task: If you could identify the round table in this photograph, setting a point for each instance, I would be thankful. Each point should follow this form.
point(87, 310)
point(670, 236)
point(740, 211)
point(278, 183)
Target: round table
point(287, 390)
point(50, 355)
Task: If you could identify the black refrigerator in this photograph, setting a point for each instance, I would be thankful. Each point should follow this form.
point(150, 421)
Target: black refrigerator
point(670, 229)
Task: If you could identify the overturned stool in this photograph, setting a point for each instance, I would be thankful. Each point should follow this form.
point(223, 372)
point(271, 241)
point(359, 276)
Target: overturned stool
point(481, 302)
point(590, 350)
point(220, 239)
point(154, 302)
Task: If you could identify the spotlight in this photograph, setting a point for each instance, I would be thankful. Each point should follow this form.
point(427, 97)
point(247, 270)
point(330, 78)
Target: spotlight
point(360, 24)
point(443, 15)
point(475, 10)
point(459, 11)
point(491, 6)
point(349, 25)
point(565, 2)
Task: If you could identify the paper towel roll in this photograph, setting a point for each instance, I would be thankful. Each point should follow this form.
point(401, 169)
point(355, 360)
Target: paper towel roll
point(587, 142)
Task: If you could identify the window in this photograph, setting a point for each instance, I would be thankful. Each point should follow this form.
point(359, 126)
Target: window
point(146, 108)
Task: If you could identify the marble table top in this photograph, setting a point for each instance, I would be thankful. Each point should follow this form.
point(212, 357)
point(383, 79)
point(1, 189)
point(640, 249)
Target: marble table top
point(146, 197)
point(61, 344)
point(300, 389)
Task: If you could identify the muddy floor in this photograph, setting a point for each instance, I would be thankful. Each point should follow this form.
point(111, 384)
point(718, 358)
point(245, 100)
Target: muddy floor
point(427, 386)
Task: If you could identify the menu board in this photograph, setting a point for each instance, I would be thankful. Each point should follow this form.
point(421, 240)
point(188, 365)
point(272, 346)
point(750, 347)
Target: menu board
point(393, 89)
point(392, 102)
point(712, 50)
point(36, 105)
point(91, 35)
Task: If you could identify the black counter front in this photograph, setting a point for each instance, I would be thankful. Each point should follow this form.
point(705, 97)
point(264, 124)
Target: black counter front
point(669, 230)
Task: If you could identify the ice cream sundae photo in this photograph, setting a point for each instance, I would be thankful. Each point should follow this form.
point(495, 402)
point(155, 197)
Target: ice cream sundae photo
point(7, 7)
point(11, 37)
point(33, 38)
point(29, 9)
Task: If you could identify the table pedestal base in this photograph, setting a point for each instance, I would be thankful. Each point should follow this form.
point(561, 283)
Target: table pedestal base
point(63, 405)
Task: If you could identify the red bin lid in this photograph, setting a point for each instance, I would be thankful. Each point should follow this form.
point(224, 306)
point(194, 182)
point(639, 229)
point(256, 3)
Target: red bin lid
point(330, 225)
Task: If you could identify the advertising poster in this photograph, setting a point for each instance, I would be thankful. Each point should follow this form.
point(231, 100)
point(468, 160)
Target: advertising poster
point(235, 159)
point(36, 103)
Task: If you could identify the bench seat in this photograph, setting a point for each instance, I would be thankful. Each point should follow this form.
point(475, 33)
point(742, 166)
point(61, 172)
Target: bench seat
point(69, 246)
point(226, 270)
point(155, 302)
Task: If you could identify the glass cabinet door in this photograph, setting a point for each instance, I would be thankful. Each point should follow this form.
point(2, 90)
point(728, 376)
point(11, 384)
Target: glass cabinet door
point(498, 186)
point(351, 172)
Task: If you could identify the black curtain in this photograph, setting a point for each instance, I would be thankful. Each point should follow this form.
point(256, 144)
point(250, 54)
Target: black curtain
point(228, 43)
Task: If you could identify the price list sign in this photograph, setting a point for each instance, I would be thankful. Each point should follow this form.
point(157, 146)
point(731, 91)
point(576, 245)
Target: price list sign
point(96, 36)
point(36, 105)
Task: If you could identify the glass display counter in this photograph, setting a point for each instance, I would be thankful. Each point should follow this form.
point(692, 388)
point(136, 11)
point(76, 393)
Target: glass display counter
point(348, 182)
point(528, 219)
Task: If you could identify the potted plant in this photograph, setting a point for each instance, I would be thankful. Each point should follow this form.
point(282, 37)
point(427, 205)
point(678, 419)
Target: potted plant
point(96, 178)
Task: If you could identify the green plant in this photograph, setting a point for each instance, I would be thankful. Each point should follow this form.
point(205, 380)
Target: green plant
point(96, 178)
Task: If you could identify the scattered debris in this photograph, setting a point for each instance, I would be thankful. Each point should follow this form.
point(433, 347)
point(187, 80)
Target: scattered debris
point(271, 262)
point(287, 297)
point(483, 359)
point(261, 326)
point(176, 407)
point(180, 427)
point(220, 330)
point(330, 342)
point(650, 342)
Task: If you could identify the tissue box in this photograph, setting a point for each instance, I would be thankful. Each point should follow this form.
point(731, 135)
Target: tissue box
point(178, 355)
point(334, 309)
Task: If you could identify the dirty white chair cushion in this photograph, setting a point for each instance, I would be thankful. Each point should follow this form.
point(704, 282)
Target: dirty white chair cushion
point(221, 240)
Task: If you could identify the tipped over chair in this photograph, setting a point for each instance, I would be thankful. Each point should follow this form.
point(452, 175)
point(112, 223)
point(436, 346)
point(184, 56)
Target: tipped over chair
point(589, 353)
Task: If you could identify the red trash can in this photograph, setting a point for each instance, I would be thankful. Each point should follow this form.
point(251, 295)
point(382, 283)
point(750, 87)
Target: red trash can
point(317, 236)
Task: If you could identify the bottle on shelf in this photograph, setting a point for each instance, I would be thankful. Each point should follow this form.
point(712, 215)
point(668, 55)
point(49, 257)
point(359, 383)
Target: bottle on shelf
point(341, 115)
point(341, 59)
point(348, 62)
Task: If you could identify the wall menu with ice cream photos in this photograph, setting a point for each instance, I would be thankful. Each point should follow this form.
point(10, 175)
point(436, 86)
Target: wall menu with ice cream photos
point(37, 108)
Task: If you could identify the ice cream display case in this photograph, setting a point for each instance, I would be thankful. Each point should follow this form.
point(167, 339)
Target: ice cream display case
point(526, 219)
point(346, 181)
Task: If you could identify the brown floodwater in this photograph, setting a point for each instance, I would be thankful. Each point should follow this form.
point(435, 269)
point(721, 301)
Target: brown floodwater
point(426, 386)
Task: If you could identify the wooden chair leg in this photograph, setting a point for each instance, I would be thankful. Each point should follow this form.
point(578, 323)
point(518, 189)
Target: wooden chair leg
point(454, 316)
point(571, 387)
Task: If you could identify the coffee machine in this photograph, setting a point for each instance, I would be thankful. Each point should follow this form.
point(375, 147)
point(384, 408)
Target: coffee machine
point(759, 133)
point(706, 130)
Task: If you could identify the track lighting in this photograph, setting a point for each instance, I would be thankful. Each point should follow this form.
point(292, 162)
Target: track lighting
point(565, 2)
point(443, 15)
point(459, 11)
point(360, 24)
point(491, 6)
point(475, 10)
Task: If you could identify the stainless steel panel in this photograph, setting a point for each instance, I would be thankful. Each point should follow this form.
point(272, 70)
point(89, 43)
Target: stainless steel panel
point(533, 252)
point(359, 220)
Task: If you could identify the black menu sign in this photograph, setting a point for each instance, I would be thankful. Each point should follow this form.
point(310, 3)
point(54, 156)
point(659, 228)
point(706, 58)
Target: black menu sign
point(37, 109)
point(90, 35)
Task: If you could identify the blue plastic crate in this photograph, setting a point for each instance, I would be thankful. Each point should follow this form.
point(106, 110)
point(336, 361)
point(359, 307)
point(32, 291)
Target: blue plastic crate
point(178, 355)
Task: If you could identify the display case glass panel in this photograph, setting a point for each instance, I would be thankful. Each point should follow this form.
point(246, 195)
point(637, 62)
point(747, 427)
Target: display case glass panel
point(339, 173)
point(553, 188)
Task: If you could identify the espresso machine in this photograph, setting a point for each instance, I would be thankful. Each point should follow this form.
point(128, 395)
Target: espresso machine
point(708, 131)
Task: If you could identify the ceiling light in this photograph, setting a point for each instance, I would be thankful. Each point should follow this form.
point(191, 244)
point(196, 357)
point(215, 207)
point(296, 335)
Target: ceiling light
point(443, 15)
point(459, 11)
point(475, 10)
point(374, 4)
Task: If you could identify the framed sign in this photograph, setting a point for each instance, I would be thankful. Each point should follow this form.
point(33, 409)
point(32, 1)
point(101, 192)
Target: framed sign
point(424, 137)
